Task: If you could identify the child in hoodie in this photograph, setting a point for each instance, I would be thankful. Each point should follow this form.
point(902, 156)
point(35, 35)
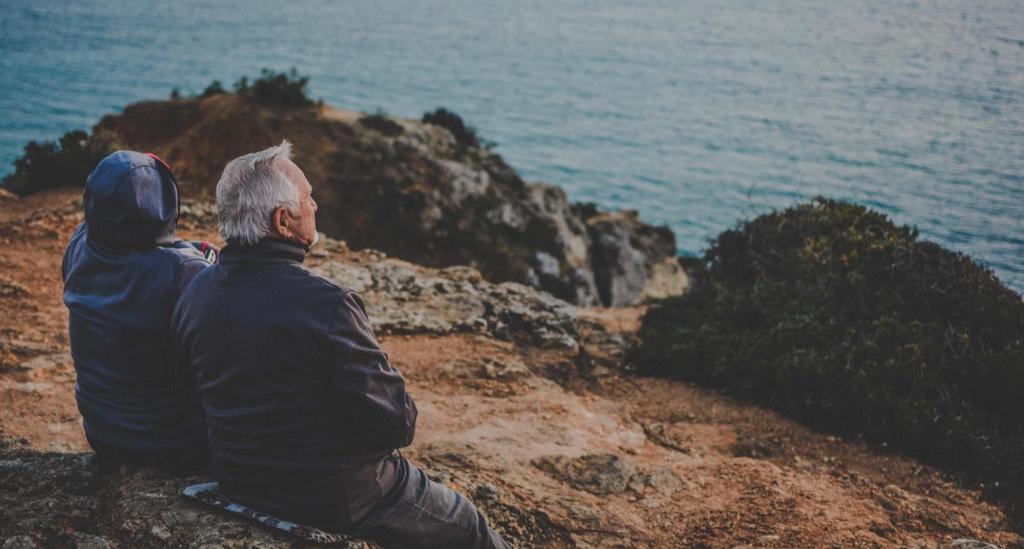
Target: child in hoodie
point(123, 272)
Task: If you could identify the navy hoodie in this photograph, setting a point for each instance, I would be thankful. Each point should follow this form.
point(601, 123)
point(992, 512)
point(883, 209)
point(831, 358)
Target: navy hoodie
point(123, 272)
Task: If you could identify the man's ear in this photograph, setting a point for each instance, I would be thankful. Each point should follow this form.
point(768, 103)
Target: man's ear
point(280, 220)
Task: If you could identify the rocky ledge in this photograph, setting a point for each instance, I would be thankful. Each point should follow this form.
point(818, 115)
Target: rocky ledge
point(414, 191)
point(62, 499)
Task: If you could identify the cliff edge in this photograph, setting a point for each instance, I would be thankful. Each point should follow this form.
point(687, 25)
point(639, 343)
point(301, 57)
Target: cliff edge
point(524, 407)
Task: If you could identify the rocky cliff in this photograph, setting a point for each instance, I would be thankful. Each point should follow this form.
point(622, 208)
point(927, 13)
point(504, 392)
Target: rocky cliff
point(524, 407)
point(414, 191)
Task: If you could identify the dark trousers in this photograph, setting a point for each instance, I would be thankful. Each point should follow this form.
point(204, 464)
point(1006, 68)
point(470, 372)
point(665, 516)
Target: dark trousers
point(422, 513)
point(185, 461)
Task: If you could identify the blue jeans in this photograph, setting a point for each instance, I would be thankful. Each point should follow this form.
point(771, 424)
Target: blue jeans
point(424, 513)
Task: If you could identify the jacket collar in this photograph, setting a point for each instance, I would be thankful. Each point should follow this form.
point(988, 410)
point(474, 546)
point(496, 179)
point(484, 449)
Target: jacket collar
point(268, 250)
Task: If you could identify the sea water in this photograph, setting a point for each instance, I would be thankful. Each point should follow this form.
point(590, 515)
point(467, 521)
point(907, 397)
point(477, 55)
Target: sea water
point(696, 113)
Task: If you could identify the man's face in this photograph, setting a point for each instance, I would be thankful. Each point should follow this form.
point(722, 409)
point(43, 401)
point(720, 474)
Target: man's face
point(302, 227)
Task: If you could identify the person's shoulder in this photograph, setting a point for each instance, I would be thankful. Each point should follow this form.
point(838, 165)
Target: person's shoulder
point(319, 291)
point(323, 285)
point(186, 262)
point(324, 302)
point(182, 251)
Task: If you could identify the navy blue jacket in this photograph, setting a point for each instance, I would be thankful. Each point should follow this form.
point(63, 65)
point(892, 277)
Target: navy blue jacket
point(123, 273)
point(301, 402)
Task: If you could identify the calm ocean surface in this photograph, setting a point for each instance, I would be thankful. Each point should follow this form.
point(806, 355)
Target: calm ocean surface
point(696, 113)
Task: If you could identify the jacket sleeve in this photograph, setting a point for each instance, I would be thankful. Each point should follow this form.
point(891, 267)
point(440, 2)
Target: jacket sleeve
point(371, 390)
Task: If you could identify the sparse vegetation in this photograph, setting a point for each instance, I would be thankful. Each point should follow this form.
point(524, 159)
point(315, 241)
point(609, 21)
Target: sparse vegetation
point(465, 135)
point(215, 88)
point(380, 122)
point(832, 314)
point(46, 164)
point(282, 89)
point(586, 210)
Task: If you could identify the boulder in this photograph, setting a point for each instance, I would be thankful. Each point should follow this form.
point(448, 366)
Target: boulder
point(603, 474)
point(404, 298)
point(62, 500)
point(595, 473)
point(633, 261)
point(969, 544)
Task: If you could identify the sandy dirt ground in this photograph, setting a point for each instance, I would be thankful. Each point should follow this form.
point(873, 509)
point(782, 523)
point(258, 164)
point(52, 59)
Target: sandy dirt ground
point(587, 457)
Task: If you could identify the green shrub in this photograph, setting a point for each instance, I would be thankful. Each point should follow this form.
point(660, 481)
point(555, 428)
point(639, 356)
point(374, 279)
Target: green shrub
point(47, 164)
point(832, 314)
point(282, 89)
point(465, 135)
point(215, 88)
point(585, 210)
point(380, 122)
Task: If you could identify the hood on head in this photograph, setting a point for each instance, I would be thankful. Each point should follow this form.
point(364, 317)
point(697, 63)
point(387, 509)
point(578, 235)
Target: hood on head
point(131, 202)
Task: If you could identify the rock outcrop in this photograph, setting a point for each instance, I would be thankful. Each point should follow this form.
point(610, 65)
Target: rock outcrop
point(603, 474)
point(405, 298)
point(62, 500)
point(631, 260)
point(410, 189)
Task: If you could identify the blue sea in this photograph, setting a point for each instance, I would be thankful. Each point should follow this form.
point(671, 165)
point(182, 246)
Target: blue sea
point(696, 113)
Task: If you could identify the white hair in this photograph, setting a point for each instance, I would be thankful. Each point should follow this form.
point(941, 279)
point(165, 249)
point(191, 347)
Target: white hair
point(250, 189)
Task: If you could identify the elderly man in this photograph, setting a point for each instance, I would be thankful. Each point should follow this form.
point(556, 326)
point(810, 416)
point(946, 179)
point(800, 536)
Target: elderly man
point(123, 273)
point(305, 413)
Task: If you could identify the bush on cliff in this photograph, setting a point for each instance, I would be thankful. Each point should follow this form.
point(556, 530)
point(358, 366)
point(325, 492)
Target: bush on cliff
point(46, 164)
point(832, 314)
point(282, 89)
point(215, 88)
point(379, 121)
point(465, 135)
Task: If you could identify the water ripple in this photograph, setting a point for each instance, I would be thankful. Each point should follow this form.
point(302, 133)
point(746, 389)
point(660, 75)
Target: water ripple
point(695, 114)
